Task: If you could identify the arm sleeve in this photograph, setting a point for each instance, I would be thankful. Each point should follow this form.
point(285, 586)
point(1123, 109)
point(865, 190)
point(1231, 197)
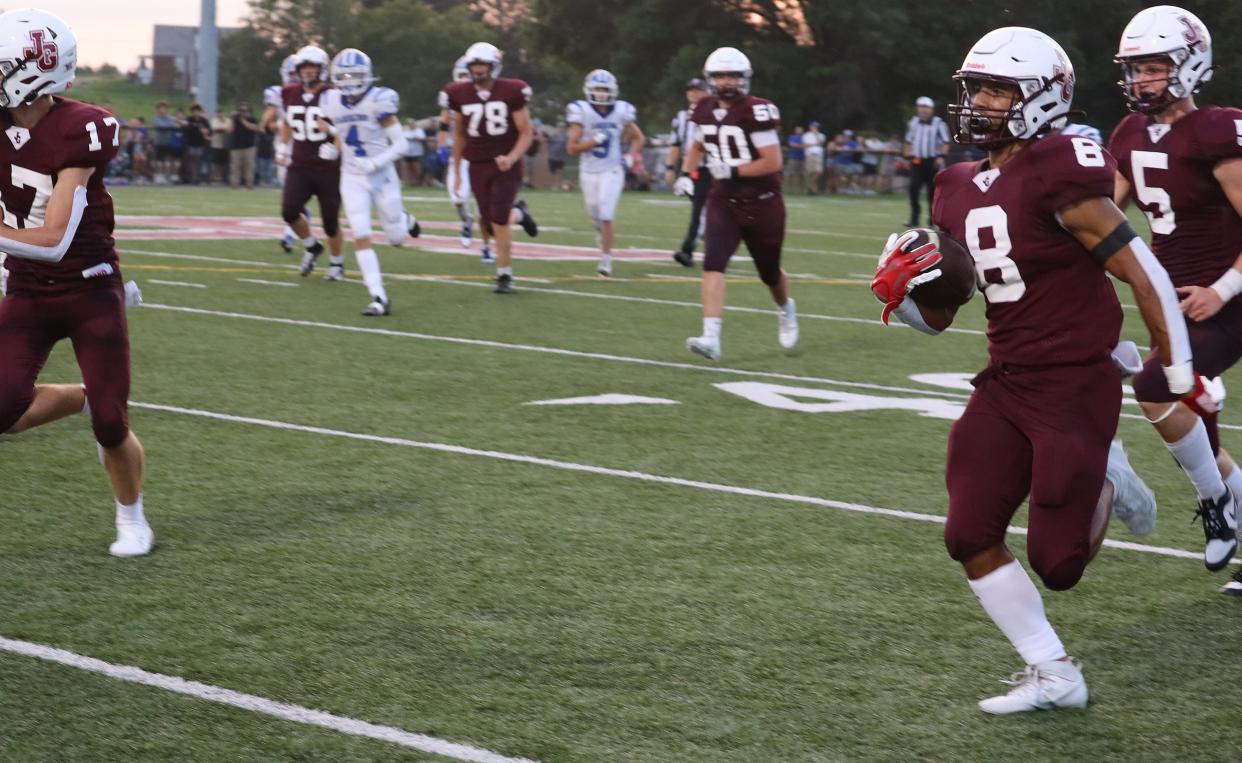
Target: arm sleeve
point(397, 144)
point(1174, 321)
point(50, 253)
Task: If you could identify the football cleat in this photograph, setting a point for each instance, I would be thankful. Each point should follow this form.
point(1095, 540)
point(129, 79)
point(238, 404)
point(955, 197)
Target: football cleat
point(708, 347)
point(504, 284)
point(487, 255)
point(787, 329)
point(1220, 529)
point(286, 243)
point(466, 230)
point(415, 229)
point(1133, 502)
point(308, 260)
point(684, 258)
point(528, 223)
point(1234, 586)
point(378, 307)
point(604, 268)
point(1048, 685)
point(132, 539)
point(336, 272)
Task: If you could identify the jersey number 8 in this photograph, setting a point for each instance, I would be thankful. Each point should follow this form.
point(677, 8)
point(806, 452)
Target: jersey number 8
point(494, 114)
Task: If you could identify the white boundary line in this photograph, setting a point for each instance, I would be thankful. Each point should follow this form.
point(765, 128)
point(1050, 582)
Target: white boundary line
point(175, 283)
point(956, 396)
point(261, 282)
point(715, 487)
point(255, 704)
point(564, 292)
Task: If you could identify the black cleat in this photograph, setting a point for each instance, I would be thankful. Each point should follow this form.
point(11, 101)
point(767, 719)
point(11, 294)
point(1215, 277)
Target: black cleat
point(684, 258)
point(1234, 586)
point(287, 245)
point(415, 230)
point(1220, 530)
point(308, 260)
point(378, 307)
point(528, 223)
point(504, 285)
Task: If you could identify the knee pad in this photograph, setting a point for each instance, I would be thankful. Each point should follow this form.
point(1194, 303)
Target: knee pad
point(1063, 573)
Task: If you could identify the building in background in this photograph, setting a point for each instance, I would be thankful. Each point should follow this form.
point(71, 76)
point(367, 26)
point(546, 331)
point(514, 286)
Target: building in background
point(173, 61)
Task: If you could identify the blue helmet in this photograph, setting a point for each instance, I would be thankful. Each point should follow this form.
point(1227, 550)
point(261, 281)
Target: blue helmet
point(600, 88)
point(351, 72)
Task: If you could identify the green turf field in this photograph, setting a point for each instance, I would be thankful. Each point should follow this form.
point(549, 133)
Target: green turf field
point(385, 530)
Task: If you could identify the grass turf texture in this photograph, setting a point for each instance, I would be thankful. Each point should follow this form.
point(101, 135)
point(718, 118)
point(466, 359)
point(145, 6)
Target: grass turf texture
point(532, 611)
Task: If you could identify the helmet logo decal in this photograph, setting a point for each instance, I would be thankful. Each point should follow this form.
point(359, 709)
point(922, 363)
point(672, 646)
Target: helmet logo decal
point(44, 53)
point(1192, 34)
point(1063, 75)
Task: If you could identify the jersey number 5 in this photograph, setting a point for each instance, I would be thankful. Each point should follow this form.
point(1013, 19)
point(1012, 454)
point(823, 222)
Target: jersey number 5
point(304, 123)
point(1154, 201)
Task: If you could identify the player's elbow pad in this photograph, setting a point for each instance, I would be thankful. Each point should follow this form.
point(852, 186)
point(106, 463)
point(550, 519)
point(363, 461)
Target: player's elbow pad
point(50, 253)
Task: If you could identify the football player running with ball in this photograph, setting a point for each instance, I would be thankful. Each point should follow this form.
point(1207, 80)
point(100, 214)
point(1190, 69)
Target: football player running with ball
point(1039, 221)
point(1182, 165)
point(65, 280)
point(599, 127)
point(313, 160)
point(740, 135)
point(493, 131)
point(363, 119)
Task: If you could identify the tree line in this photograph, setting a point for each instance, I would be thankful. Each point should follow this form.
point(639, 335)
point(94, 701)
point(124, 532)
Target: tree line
point(858, 65)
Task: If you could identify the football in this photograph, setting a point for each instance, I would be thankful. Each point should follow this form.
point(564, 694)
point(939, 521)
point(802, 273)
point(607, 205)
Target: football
point(957, 284)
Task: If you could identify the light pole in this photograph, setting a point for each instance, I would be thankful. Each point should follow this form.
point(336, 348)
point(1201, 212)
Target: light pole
point(208, 58)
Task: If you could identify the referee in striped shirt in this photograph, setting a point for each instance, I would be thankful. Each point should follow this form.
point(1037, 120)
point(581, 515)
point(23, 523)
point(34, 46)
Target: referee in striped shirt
point(683, 133)
point(927, 144)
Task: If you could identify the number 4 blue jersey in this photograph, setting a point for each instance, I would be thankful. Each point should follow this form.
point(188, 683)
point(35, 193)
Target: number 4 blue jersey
point(612, 122)
point(359, 123)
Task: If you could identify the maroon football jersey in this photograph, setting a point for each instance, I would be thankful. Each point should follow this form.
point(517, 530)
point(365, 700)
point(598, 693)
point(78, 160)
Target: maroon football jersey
point(730, 134)
point(302, 114)
point(488, 115)
point(1196, 233)
point(72, 134)
point(1048, 301)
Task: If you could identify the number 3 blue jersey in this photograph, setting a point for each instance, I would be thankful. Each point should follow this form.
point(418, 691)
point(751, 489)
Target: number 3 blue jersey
point(612, 122)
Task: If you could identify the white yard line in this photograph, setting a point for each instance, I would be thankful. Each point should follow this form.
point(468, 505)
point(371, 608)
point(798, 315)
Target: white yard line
point(571, 466)
point(175, 283)
point(552, 351)
point(261, 282)
point(255, 704)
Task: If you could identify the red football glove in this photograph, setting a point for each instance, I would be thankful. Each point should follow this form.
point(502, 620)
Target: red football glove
point(1207, 398)
point(900, 270)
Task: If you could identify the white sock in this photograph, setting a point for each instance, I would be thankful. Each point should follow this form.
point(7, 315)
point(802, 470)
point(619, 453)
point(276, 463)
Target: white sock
point(1194, 453)
point(309, 240)
point(711, 327)
point(288, 232)
point(788, 308)
point(336, 259)
point(130, 513)
point(368, 263)
point(1014, 604)
point(462, 213)
point(1234, 481)
point(505, 271)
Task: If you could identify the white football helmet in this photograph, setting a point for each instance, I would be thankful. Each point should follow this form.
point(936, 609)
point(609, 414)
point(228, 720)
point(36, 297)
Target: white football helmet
point(1019, 57)
point(600, 80)
point(311, 54)
point(484, 53)
point(461, 72)
point(728, 61)
point(288, 71)
point(1165, 31)
point(38, 56)
point(351, 72)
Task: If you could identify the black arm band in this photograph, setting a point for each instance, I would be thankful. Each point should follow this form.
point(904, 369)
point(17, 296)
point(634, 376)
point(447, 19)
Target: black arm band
point(444, 127)
point(1113, 242)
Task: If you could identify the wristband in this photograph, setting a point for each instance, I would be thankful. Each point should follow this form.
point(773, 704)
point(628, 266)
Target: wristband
point(1228, 285)
point(444, 126)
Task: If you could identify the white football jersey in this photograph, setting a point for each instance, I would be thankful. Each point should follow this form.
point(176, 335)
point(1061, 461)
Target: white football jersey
point(271, 97)
point(612, 122)
point(358, 123)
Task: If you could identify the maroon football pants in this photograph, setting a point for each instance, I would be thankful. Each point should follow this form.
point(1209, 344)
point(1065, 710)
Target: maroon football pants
point(760, 223)
point(495, 191)
point(1037, 431)
point(92, 317)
